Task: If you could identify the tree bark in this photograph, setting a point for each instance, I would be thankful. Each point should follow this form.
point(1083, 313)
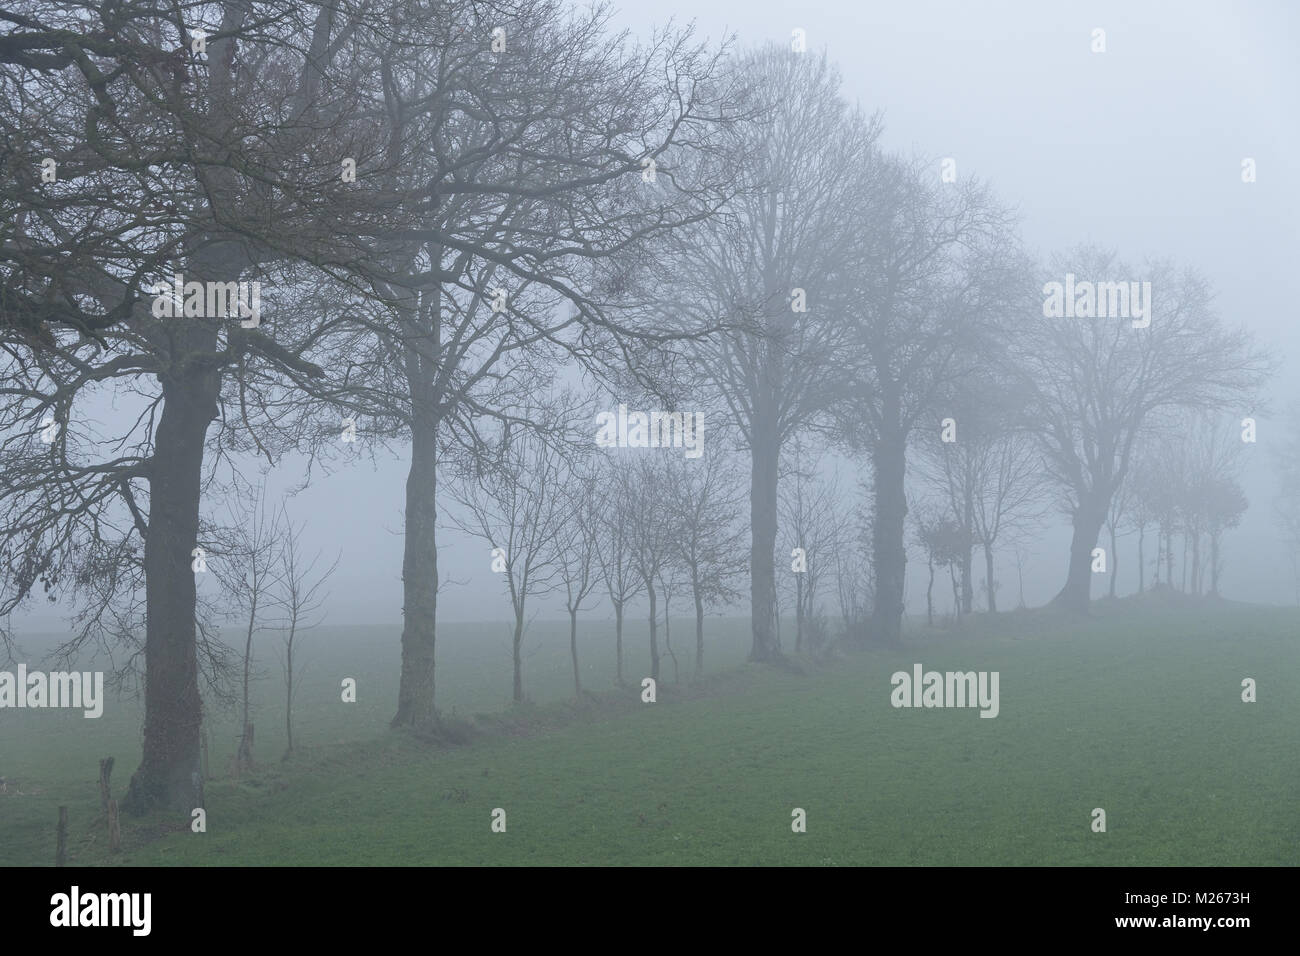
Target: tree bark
point(929, 596)
point(1020, 580)
point(967, 555)
point(668, 637)
point(889, 465)
point(1214, 564)
point(1183, 586)
point(699, 634)
point(1141, 560)
point(762, 516)
point(1077, 592)
point(798, 613)
point(573, 651)
point(518, 644)
point(1114, 562)
point(415, 695)
point(170, 765)
point(288, 690)
point(988, 570)
point(618, 642)
point(245, 752)
point(1169, 559)
point(1196, 564)
point(654, 635)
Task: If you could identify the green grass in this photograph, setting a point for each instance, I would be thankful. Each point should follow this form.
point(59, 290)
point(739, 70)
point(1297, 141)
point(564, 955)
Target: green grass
point(1138, 713)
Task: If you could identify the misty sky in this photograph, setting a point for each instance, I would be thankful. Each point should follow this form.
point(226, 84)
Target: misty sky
point(1138, 149)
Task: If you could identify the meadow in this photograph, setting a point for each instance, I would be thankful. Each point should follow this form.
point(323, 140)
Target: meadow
point(1137, 711)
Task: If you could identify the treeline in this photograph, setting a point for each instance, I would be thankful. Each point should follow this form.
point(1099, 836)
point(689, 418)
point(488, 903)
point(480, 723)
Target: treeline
point(452, 212)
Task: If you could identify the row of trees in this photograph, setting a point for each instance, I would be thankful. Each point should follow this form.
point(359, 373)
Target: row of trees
point(989, 489)
point(449, 203)
point(439, 198)
point(620, 527)
point(879, 299)
point(1186, 483)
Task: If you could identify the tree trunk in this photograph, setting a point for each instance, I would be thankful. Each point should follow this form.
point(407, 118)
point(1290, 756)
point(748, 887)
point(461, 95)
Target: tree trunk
point(1169, 558)
point(245, 751)
point(929, 596)
point(169, 773)
point(288, 695)
point(1020, 580)
point(573, 650)
point(967, 557)
point(988, 570)
point(518, 644)
point(654, 635)
point(889, 464)
point(668, 638)
point(1141, 559)
point(699, 634)
point(618, 642)
point(1087, 522)
point(415, 700)
point(1114, 562)
point(169, 768)
point(1183, 586)
point(1196, 564)
point(1214, 564)
point(765, 453)
point(798, 613)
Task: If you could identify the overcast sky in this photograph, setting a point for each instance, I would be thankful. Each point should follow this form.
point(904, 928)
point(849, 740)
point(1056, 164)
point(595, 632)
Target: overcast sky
point(1138, 148)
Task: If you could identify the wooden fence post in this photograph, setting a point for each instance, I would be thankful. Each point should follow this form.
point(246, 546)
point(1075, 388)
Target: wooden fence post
point(61, 851)
point(114, 828)
point(105, 790)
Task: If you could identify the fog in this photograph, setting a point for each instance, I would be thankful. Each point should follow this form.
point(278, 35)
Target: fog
point(811, 434)
point(1137, 149)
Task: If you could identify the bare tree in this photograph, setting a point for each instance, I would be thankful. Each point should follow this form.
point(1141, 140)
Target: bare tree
point(1213, 500)
point(575, 550)
point(933, 277)
point(987, 466)
point(854, 580)
point(514, 501)
point(1142, 511)
point(250, 573)
point(775, 262)
point(1157, 488)
point(218, 164)
point(523, 171)
point(1012, 499)
point(616, 548)
point(671, 581)
point(652, 528)
point(811, 514)
point(942, 540)
point(299, 598)
point(1118, 515)
point(709, 543)
point(1097, 384)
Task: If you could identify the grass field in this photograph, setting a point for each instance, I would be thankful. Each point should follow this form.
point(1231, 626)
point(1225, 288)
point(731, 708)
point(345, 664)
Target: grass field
point(1139, 713)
